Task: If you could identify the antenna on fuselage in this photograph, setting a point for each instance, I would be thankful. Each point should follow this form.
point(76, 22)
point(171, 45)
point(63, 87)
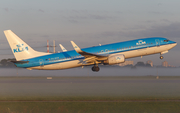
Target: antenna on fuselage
point(47, 46)
point(54, 46)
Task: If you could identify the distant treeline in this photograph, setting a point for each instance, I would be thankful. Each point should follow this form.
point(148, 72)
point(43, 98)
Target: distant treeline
point(5, 63)
point(139, 64)
point(142, 64)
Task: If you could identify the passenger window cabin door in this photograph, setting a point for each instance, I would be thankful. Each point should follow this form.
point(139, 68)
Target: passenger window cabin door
point(157, 42)
point(41, 62)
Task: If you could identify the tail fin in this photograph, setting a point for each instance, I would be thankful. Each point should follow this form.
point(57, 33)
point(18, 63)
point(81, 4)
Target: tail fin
point(20, 49)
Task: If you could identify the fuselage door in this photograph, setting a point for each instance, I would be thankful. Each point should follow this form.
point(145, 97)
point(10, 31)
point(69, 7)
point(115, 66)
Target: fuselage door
point(41, 62)
point(157, 42)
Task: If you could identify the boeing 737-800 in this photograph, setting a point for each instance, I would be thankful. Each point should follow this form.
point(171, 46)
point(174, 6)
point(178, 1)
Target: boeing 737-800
point(108, 54)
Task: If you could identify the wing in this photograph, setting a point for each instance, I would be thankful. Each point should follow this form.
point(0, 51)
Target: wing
point(89, 57)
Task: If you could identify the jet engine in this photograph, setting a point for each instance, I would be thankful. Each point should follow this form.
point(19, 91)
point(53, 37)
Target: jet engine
point(115, 59)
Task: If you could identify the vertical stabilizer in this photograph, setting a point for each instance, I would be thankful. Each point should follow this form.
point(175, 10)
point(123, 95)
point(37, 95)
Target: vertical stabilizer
point(20, 49)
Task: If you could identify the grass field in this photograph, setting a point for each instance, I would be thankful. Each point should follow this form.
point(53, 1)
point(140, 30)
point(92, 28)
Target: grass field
point(90, 107)
point(90, 95)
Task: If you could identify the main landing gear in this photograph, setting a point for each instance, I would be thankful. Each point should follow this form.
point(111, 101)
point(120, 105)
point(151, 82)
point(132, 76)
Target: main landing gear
point(95, 68)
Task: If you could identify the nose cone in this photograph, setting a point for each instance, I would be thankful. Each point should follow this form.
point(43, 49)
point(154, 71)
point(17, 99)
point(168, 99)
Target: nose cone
point(173, 43)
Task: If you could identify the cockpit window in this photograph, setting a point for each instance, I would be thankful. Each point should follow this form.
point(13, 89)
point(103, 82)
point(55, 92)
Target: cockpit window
point(166, 40)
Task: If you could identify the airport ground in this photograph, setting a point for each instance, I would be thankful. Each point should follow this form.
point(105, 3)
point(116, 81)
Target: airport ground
point(118, 94)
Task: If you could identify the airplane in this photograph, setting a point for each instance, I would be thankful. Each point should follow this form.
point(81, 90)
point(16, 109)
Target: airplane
point(63, 49)
point(108, 54)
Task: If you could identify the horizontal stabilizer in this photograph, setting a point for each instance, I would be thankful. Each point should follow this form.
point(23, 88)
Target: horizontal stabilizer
point(15, 61)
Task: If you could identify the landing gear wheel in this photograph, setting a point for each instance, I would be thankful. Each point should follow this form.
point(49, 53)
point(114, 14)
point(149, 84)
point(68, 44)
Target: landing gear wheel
point(95, 68)
point(161, 57)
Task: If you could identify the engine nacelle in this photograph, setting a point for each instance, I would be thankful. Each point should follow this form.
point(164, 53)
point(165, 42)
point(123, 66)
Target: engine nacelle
point(115, 59)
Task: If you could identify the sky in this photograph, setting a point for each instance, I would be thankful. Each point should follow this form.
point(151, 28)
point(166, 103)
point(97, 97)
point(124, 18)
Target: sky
point(90, 23)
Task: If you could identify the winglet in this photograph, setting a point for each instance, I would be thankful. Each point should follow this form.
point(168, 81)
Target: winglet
point(77, 49)
point(63, 49)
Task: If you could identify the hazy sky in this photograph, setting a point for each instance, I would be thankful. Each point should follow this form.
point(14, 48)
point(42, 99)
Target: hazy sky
point(90, 22)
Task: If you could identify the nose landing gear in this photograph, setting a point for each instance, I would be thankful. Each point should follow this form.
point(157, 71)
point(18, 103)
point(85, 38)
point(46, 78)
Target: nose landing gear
point(161, 57)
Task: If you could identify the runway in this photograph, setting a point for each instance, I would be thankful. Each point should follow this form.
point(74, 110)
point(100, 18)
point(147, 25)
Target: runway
point(90, 88)
point(90, 94)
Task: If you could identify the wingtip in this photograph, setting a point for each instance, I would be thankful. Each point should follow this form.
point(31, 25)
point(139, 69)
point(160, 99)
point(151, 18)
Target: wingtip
point(72, 42)
point(77, 49)
point(6, 31)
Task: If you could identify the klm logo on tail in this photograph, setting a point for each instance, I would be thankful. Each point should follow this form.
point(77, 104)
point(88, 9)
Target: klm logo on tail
point(20, 48)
